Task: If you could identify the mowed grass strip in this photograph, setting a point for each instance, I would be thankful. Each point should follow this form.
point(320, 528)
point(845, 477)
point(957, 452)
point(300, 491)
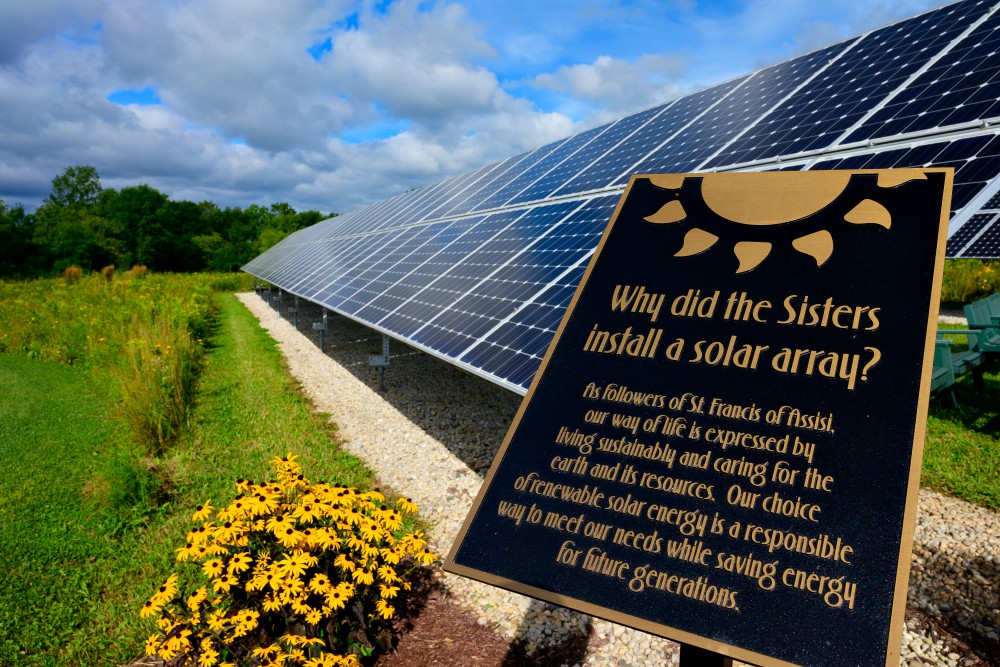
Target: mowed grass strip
point(85, 610)
point(53, 437)
point(962, 448)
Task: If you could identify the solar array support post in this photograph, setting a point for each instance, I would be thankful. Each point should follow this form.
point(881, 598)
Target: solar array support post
point(294, 310)
point(381, 361)
point(321, 328)
point(693, 656)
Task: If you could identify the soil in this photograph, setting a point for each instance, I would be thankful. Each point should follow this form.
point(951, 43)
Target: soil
point(433, 630)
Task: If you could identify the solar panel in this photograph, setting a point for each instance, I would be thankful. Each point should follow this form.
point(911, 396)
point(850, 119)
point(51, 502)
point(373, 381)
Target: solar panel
point(478, 269)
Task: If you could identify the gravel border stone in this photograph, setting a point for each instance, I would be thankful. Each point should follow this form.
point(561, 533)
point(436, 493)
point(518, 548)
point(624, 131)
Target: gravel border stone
point(434, 431)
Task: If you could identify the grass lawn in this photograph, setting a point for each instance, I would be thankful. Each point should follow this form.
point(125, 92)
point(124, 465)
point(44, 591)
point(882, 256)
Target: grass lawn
point(962, 450)
point(82, 543)
point(86, 534)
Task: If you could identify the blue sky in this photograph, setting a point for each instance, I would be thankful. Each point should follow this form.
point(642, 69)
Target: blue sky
point(334, 104)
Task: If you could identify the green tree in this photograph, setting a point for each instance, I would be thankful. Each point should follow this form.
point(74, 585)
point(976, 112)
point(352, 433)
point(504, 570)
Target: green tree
point(135, 214)
point(69, 226)
point(19, 256)
point(77, 187)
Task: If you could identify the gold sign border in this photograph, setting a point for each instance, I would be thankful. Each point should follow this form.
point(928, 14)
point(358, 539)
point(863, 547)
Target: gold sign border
point(913, 483)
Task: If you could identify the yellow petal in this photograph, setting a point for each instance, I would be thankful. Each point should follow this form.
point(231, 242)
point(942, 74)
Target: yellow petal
point(696, 241)
point(818, 245)
point(750, 254)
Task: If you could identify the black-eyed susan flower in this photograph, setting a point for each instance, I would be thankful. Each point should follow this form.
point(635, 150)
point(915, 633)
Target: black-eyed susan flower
point(289, 537)
point(363, 577)
point(151, 608)
point(195, 600)
point(152, 644)
point(406, 505)
point(279, 522)
point(224, 583)
point(239, 563)
point(209, 657)
point(266, 652)
point(213, 567)
point(384, 609)
point(203, 512)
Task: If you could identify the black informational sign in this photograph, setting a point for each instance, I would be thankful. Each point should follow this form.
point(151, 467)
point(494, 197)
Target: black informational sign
point(722, 445)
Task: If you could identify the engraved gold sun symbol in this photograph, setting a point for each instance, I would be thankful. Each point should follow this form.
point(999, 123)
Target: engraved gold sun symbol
point(736, 204)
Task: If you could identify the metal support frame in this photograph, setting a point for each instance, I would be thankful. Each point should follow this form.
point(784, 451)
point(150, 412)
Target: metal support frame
point(294, 310)
point(381, 362)
point(321, 328)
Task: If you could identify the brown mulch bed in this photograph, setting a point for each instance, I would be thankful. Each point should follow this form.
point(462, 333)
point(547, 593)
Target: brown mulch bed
point(433, 630)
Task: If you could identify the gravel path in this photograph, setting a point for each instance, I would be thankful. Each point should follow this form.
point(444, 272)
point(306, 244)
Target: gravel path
point(433, 433)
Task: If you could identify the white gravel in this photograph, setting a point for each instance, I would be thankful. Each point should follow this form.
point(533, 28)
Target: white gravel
point(434, 431)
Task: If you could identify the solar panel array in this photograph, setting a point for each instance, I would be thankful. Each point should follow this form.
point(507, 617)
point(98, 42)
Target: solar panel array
point(478, 269)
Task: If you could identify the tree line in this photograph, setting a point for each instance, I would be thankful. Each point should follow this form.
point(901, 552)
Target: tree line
point(80, 223)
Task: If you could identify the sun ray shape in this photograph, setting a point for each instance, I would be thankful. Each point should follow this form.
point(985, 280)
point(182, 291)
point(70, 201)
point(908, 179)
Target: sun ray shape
point(818, 245)
point(696, 241)
point(672, 211)
point(750, 254)
point(869, 212)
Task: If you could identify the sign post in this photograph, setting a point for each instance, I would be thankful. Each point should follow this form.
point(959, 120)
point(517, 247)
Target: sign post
point(722, 445)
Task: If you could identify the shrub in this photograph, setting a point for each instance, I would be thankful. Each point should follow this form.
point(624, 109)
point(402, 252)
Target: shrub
point(71, 274)
point(157, 381)
point(966, 280)
point(290, 573)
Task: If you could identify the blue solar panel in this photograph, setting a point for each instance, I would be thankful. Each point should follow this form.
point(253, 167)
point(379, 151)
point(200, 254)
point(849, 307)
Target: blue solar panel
point(968, 231)
point(613, 168)
point(962, 86)
point(479, 268)
point(757, 95)
point(846, 90)
point(522, 188)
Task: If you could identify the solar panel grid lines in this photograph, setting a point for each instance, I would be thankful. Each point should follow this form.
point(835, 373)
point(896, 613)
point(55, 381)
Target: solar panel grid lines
point(534, 321)
point(622, 132)
point(637, 167)
point(969, 233)
point(777, 105)
point(559, 173)
point(876, 121)
point(474, 185)
point(501, 190)
point(514, 251)
point(503, 172)
point(380, 274)
point(519, 189)
point(455, 186)
point(446, 274)
point(593, 176)
point(741, 108)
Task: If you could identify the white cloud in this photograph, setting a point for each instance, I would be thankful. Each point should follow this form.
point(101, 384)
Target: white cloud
point(249, 115)
point(616, 87)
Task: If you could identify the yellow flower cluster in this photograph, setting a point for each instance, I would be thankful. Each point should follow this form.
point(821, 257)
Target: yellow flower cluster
point(291, 568)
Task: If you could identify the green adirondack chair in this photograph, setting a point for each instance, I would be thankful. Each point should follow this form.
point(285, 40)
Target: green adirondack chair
point(965, 361)
point(943, 376)
point(980, 317)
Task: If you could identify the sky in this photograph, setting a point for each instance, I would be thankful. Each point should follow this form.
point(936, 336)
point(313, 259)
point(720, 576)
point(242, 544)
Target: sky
point(334, 104)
